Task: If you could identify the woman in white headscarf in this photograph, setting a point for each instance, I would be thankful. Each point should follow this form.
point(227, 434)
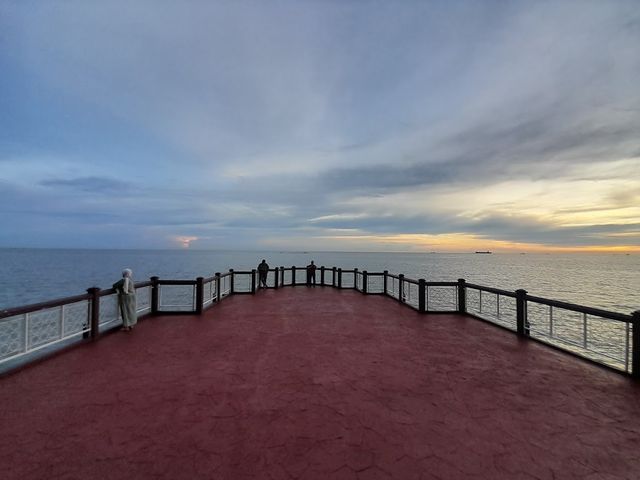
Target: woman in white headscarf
point(127, 299)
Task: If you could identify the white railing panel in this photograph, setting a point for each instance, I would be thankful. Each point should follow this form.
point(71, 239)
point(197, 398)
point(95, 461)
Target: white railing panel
point(600, 339)
point(410, 294)
point(209, 293)
point(12, 335)
point(242, 282)
point(442, 298)
point(225, 286)
point(347, 279)
point(375, 284)
point(393, 286)
point(109, 311)
point(143, 300)
point(180, 298)
point(76, 318)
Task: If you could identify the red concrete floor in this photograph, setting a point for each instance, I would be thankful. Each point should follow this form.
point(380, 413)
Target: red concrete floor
point(317, 383)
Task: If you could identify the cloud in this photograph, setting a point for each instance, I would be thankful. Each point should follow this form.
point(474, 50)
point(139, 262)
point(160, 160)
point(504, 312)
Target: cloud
point(89, 184)
point(515, 121)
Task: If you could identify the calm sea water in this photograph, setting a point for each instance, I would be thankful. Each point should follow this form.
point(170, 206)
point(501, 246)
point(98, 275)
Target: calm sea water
point(609, 281)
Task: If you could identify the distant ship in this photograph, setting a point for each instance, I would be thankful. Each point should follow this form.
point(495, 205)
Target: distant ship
point(486, 251)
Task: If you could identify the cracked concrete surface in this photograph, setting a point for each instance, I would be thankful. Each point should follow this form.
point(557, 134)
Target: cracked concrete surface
point(306, 383)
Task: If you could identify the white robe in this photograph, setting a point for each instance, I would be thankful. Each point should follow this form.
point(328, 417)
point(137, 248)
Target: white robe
point(127, 301)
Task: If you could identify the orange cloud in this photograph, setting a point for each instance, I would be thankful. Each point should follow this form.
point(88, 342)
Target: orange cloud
point(457, 242)
point(185, 241)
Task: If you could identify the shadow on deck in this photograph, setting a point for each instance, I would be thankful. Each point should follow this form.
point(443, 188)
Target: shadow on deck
point(317, 383)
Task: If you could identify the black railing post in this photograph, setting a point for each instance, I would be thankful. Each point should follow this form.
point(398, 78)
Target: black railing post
point(384, 281)
point(282, 277)
point(95, 312)
point(635, 358)
point(522, 327)
point(231, 281)
point(355, 278)
point(199, 295)
point(364, 281)
point(155, 295)
point(275, 274)
point(333, 276)
point(253, 281)
point(462, 296)
point(322, 275)
point(339, 278)
point(401, 288)
point(422, 284)
point(218, 287)
point(293, 275)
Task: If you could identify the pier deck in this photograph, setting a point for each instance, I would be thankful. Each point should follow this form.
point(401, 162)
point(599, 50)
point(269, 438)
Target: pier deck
point(305, 383)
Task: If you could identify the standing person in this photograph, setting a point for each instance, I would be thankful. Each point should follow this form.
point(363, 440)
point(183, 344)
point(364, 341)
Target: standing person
point(311, 273)
point(127, 299)
point(263, 271)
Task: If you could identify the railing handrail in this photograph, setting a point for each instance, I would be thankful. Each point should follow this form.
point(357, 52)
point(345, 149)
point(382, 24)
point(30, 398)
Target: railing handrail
point(177, 282)
point(597, 312)
point(34, 307)
point(497, 291)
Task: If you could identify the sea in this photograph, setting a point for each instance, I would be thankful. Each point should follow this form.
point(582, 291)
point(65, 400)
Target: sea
point(609, 281)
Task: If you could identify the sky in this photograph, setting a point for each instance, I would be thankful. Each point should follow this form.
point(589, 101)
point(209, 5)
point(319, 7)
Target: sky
point(321, 125)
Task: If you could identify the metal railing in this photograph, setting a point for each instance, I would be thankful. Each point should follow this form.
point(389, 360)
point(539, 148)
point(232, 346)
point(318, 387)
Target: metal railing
point(44, 326)
point(492, 304)
point(36, 327)
point(608, 338)
point(209, 291)
point(593, 333)
point(597, 335)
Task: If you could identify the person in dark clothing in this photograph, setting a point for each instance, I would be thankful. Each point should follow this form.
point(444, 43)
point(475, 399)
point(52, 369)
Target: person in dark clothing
point(311, 273)
point(263, 270)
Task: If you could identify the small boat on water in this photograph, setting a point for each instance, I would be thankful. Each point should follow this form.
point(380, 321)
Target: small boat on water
point(485, 251)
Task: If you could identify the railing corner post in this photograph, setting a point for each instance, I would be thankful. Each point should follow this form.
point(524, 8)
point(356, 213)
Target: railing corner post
point(422, 288)
point(231, 282)
point(401, 298)
point(218, 288)
point(322, 276)
point(355, 279)
point(462, 296)
point(522, 325)
point(385, 276)
point(339, 278)
point(199, 294)
point(155, 295)
point(253, 280)
point(95, 312)
point(293, 275)
point(275, 275)
point(364, 281)
point(333, 276)
point(635, 359)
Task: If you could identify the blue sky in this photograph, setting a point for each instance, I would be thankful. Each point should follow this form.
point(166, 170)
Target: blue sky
point(333, 125)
